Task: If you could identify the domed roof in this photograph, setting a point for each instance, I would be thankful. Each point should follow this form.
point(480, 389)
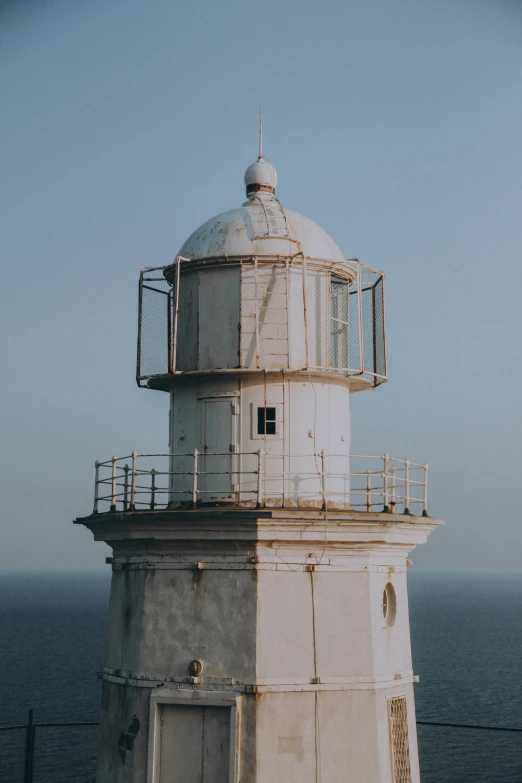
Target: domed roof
point(261, 226)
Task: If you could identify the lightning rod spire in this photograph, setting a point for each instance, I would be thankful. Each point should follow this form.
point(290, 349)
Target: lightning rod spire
point(260, 129)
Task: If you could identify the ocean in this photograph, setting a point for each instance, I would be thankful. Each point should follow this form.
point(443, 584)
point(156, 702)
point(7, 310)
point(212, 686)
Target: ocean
point(466, 639)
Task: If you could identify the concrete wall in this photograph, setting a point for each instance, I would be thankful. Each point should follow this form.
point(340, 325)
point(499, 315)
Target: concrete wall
point(161, 620)
point(124, 624)
point(123, 749)
point(195, 614)
point(286, 615)
point(268, 627)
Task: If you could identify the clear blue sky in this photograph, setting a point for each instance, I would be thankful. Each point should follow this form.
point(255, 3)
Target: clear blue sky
point(397, 126)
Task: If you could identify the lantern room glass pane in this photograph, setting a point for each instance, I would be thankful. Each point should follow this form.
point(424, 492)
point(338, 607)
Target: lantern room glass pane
point(339, 318)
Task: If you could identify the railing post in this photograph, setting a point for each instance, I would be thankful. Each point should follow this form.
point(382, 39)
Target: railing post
point(29, 749)
point(323, 479)
point(126, 487)
point(406, 486)
point(305, 312)
point(96, 486)
point(176, 316)
point(260, 478)
point(360, 317)
point(132, 506)
point(425, 498)
point(256, 323)
point(386, 504)
point(368, 491)
point(195, 480)
point(113, 485)
point(393, 485)
point(152, 488)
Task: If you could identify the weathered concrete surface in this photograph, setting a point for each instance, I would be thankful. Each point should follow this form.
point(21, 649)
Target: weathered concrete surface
point(124, 735)
point(285, 611)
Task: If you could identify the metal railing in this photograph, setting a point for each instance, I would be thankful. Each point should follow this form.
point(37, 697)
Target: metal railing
point(341, 308)
point(320, 480)
point(30, 735)
point(30, 740)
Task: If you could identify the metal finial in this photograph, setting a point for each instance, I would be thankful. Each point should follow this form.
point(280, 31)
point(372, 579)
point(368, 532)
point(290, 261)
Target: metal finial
point(260, 129)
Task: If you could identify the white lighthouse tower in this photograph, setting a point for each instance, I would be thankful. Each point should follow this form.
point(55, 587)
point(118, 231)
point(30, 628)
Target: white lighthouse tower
point(258, 626)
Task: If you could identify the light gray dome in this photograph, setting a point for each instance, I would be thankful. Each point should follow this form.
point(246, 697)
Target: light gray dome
point(236, 233)
point(261, 226)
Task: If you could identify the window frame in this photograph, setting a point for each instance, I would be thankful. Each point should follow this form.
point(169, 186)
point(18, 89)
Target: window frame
point(343, 325)
point(278, 434)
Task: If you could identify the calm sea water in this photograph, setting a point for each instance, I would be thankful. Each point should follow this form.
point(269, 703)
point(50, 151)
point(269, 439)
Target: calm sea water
point(466, 637)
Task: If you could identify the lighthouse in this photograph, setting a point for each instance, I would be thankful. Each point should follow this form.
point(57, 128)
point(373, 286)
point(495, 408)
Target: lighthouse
point(258, 627)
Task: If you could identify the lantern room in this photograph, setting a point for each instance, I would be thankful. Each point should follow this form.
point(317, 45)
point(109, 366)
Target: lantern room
point(261, 288)
point(259, 330)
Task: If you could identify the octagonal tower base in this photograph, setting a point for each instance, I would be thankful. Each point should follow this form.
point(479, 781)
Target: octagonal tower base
point(258, 646)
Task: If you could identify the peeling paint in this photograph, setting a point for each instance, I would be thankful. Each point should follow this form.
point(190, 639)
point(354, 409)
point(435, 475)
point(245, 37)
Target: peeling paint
point(126, 739)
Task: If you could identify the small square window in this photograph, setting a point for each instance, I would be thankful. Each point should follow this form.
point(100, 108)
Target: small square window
point(266, 421)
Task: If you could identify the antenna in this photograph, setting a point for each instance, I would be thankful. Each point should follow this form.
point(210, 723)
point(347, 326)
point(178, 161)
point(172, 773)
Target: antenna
point(260, 129)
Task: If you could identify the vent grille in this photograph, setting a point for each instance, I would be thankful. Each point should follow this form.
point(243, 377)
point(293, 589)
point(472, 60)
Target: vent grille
point(400, 744)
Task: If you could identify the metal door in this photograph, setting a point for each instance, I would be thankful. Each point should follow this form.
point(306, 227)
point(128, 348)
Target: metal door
point(195, 744)
point(217, 448)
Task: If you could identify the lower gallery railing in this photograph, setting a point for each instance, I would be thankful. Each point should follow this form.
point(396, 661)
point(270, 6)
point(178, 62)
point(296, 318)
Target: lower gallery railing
point(257, 479)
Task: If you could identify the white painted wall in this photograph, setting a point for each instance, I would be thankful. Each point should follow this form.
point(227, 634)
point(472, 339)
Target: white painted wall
point(312, 415)
point(253, 316)
point(351, 636)
point(188, 319)
point(271, 351)
point(208, 320)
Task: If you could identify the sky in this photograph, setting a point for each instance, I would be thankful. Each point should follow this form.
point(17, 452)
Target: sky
point(395, 126)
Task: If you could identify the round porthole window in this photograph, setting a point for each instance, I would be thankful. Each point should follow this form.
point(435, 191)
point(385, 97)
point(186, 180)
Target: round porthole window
point(389, 604)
